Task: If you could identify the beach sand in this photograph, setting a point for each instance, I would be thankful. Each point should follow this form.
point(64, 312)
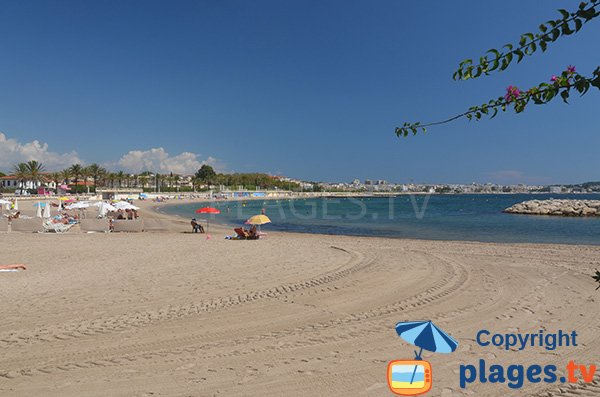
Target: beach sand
point(175, 314)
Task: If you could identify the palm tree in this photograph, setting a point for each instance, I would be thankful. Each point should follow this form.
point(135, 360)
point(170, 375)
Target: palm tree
point(21, 173)
point(96, 172)
point(120, 176)
point(86, 174)
point(76, 172)
point(66, 175)
point(34, 171)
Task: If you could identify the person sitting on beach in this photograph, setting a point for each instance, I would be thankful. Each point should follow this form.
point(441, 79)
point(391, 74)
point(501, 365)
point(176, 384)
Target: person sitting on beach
point(196, 227)
point(252, 233)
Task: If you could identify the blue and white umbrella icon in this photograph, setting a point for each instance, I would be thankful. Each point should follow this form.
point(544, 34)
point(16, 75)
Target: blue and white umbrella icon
point(426, 335)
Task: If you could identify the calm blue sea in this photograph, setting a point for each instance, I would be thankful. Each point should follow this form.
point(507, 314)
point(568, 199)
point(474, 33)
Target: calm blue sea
point(436, 217)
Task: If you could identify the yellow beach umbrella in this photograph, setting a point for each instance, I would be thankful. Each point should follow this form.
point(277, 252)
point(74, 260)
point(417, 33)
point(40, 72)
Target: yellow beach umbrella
point(258, 220)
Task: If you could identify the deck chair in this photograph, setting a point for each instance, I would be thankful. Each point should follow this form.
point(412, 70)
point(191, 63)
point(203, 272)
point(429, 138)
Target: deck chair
point(50, 227)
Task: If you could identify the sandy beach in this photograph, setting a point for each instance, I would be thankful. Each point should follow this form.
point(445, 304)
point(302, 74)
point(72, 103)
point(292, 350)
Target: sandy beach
point(175, 314)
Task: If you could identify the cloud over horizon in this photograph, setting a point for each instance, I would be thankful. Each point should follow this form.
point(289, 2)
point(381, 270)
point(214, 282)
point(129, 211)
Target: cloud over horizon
point(12, 152)
point(155, 159)
point(159, 160)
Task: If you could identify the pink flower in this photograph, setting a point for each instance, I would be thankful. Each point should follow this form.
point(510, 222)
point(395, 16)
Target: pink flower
point(512, 93)
point(554, 78)
point(571, 69)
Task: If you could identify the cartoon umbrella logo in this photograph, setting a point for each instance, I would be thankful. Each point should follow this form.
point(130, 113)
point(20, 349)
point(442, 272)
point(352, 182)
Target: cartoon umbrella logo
point(425, 335)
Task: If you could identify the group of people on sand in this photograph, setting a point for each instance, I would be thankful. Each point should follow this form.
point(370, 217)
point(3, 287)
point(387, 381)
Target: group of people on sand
point(65, 218)
point(127, 214)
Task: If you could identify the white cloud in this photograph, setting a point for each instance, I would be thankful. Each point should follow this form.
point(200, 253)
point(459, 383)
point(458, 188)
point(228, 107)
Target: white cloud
point(159, 160)
point(13, 152)
point(155, 160)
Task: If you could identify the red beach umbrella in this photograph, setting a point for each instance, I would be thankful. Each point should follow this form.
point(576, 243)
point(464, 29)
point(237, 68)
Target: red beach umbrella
point(207, 210)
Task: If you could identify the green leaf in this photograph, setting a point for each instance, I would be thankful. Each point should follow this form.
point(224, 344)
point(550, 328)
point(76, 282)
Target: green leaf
point(566, 29)
point(555, 34)
point(543, 28)
point(565, 95)
point(519, 54)
point(564, 13)
point(578, 24)
point(495, 65)
point(543, 45)
point(495, 52)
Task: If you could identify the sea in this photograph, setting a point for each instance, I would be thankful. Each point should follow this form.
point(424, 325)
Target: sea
point(476, 217)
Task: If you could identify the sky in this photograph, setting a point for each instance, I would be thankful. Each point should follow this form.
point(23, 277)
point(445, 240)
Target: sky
point(304, 88)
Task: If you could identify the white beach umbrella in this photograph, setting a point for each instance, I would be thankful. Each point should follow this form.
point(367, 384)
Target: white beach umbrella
point(124, 205)
point(4, 203)
point(38, 211)
point(47, 211)
point(16, 205)
point(103, 208)
point(78, 205)
point(60, 206)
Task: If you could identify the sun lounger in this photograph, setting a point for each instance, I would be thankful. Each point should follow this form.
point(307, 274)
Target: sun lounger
point(3, 225)
point(50, 226)
point(33, 225)
point(94, 225)
point(241, 234)
point(128, 226)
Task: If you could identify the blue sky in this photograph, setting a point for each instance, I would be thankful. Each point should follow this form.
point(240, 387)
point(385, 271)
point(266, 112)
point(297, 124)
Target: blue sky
point(308, 89)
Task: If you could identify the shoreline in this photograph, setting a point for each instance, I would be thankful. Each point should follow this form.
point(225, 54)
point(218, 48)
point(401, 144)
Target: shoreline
point(228, 228)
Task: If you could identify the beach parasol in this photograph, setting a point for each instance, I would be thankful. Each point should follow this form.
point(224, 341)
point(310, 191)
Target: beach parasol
point(103, 208)
point(38, 211)
point(426, 335)
point(5, 202)
point(207, 210)
point(78, 205)
point(47, 211)
point(124, 205)
point(258, 220)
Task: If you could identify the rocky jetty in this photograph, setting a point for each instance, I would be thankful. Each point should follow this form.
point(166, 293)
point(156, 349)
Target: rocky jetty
point(557, 207)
